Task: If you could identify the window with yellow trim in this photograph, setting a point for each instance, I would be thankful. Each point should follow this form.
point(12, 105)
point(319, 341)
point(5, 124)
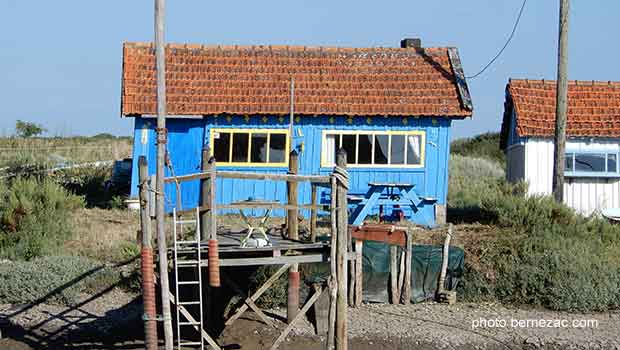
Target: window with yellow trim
point(250, 147)
point(376, 148)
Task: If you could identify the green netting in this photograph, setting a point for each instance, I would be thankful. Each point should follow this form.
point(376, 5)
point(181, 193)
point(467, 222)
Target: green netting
point(425, 264)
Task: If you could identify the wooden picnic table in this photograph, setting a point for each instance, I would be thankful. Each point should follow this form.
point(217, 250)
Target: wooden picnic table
point(389, 194)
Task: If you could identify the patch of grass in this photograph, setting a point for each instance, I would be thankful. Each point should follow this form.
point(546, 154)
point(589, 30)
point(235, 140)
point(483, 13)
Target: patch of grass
point(57, 279)
point(34, 217)
point(480, 146)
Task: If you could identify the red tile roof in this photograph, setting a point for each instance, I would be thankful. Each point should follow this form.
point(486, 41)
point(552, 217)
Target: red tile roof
point(593, 108)
point(207, 80)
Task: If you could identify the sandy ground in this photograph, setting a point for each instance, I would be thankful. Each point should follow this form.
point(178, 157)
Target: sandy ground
point(113, 321)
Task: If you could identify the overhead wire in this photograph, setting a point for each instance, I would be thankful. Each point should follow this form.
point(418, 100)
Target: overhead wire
point(514, 30)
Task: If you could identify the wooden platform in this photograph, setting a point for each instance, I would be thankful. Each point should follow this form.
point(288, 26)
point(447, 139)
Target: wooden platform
point(281, 251)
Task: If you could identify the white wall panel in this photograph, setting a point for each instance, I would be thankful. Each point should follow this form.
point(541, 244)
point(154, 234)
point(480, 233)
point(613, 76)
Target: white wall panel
point(585, 194)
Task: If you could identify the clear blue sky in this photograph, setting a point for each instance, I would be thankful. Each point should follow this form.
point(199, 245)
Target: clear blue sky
point(60, 61)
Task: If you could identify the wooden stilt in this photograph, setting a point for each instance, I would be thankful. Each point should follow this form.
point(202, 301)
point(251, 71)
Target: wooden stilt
point(313, 213)
point(342, 252)
point(394, 293)
point(408, 256)
point(332, 282)
point(292, 225)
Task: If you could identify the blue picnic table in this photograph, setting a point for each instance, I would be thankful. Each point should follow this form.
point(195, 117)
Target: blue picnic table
point(396, 195)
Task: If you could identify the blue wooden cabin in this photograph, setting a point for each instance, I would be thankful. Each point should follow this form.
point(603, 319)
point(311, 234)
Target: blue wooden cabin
point(390, 108)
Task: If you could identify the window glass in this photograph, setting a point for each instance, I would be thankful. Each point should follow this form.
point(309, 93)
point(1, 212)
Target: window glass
point(349, 143)
point(612, 160)
point(568, 162)
point(221, 146)
point(590, 162)
point(397, 149)
point(414, 146)
point(277, 148)
point(365, 149)
point(381, 149)
point(259, 148)
point(240, 147)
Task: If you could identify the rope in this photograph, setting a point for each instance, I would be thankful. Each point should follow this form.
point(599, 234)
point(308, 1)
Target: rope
point(342, 175)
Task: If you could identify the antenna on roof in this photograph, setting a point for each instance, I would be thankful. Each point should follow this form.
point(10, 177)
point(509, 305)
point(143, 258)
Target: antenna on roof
point(292, 112)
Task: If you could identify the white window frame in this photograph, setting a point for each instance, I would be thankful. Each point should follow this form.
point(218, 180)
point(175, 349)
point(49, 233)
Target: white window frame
point(421, 133)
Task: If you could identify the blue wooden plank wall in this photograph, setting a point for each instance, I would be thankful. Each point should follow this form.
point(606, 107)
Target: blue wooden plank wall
point(187, 136)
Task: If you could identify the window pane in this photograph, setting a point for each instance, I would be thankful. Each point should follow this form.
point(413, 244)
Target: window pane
point(568, 162)
point(365, 149)
point(414, 146)
point(259, 148)
point(397, 149)
point(221, 146)
point(240, 147)
point(381, 149)
point(277, 148)
point(612, 160)
point(349, 144)
point(590, 162)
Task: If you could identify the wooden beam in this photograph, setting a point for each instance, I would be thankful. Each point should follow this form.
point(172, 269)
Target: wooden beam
point(250, 303)
point(274, 177)
point(380, 234)
point(275, 260)
point(332, 282)
point(183, 178)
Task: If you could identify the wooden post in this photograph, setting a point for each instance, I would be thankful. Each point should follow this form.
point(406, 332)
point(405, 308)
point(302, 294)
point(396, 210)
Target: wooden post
point(213, 255)
point(358, 272)
point(341, 254)
point(561, 105)
point(408, 256)
point(444, 261)
point(313, 213)
point(394, 292)
point(292, 225)
point(205, 230)
point(148, 276)
point(162, 139)
point(333, 282)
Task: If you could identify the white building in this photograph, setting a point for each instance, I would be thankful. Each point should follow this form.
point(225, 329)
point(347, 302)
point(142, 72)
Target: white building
point(592, 176)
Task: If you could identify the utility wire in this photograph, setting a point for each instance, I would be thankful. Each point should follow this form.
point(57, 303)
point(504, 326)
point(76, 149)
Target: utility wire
point(514, 29)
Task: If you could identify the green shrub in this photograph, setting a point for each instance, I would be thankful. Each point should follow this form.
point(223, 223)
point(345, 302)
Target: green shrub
point(34, 217)
point(547, 255)
point(57, 279)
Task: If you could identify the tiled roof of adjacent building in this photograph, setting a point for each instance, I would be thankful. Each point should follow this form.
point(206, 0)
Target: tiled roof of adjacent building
point(593, 108)
point(210, 80)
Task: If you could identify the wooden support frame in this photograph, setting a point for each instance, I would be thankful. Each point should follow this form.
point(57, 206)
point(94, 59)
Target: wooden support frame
point(317, 293)
point(254, 297)
point(250, 303)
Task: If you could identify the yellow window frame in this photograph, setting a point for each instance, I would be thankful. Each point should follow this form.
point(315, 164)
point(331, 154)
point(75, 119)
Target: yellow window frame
point(249, 132)
point(421, 133)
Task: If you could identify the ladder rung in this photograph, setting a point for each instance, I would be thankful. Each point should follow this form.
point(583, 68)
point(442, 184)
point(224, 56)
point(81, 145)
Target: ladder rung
point(189, 343)
point(187, 262)
point(188, 282)
point(189, 323)
point(183, 222)
point(189, 303)
point(187, 242)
